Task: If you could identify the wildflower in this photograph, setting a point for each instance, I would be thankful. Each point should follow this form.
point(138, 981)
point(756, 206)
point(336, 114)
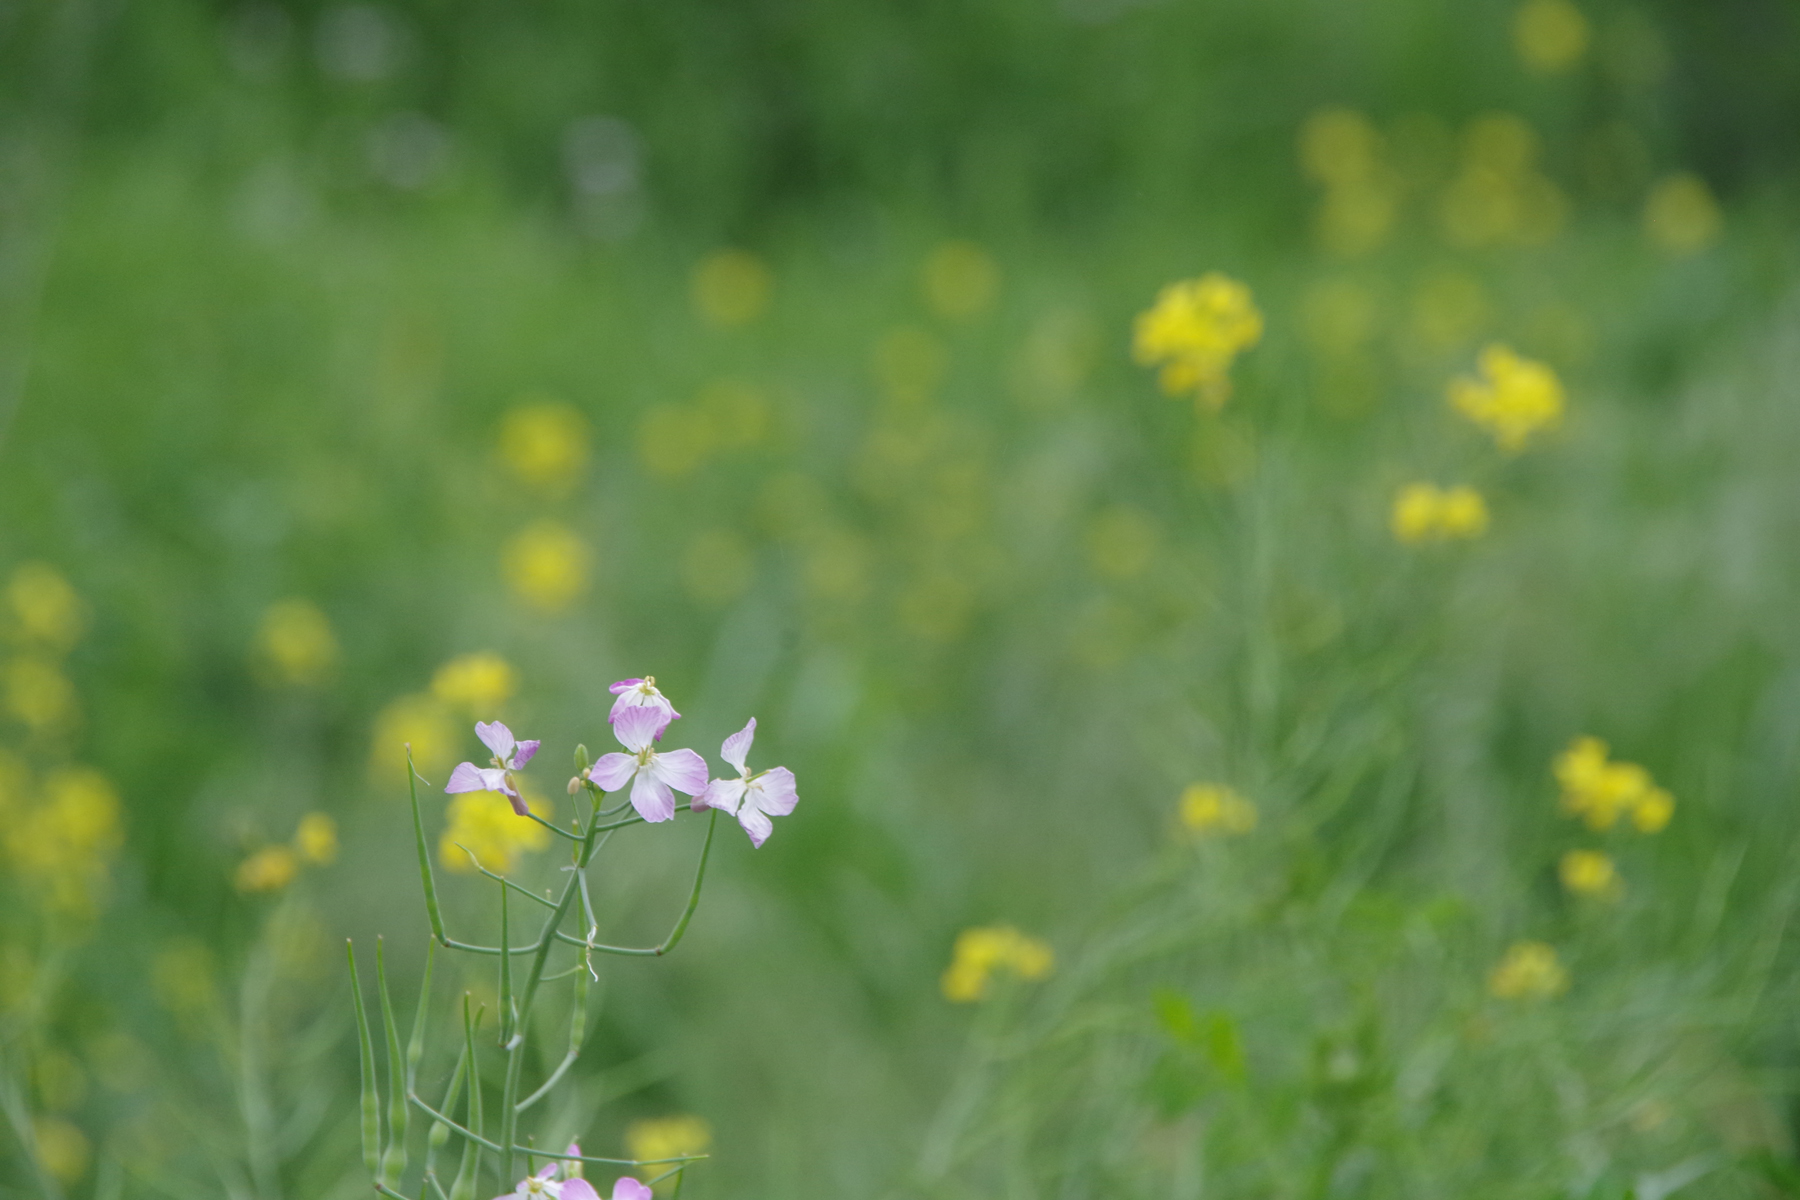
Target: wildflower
point(1424, 512)
point(488, 831)
point(65, 840)
point(1550, 35)
point(1681, 217)
point(40, 695)
point(1498, 195)
point(642, 693)
point(546, 565)
point(1590, 873)
point(960, 280)
point(981, 951)
point(731, 287)
point(1600, 791)
point(509, 755)
point(47, 609)
point(1196, 328)
point(1528, 971)
point(544, 444)
point(1213, 808)
point(478, 682)
point(546, 1184)
point(295, 643)
point(752, 799)
point(316, 839)
point(663, 1138)
point(419, 722)
point(268, 870)
point(650, 773)
point(62, 1148)
point(1514, 399)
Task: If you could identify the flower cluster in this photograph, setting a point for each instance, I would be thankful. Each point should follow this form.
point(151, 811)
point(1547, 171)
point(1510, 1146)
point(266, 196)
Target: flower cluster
point(1424, 512)
point(981, 951)
point(315, 843)
point(1514, 398)
point(1528, 971)
point(1344, 153)
point(660, 1139)
point(295, 645)
point(1498, 196)
point(562, 1181)
point(1590, 873)
point(1600, 791)
point(1194, 332)
point(1212, 809)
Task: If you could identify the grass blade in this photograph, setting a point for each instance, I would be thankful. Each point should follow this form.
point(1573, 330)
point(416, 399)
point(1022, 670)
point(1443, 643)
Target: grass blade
point(371, 1098)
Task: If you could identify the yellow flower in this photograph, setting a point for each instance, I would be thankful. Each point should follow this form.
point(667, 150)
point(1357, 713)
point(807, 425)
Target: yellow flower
point(316, 839)
point(544, 443)
point(421, 722)
point(1424, 512)
point(1528, 971)
point(1513, 399)
point(47, 609)
point(731, 287)
point(1212, 808)
point(486, 825)
point(40, 695)
point(62, 1148)
point(910, 364)
point(1681, 217)
point(1590, 873)
point(1600, 791)
point(295, 643)
point(666, 1137)
point(674, 439)
point(1498, 196)
point(1550, 35)
point(981, 951)
point(960, 280)
point(1195, 330)
point(64, 841)
point(475, 683)
point(546, 565)
point(268, 870)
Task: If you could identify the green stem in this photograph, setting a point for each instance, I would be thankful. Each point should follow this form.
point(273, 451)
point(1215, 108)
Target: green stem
point(393, 1162)
point(413, 778)
point(371, 1098)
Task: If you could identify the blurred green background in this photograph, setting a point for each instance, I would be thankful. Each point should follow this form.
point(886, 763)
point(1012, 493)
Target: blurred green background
point(783, 350)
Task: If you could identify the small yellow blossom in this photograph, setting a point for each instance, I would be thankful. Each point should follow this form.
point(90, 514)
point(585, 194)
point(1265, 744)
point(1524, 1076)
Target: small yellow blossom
point(1209, 809)
point(485, 823)
point(960, 280)
point(667, 1137)
point(1600, 791)
point(268, 870)
point(1528, 971)
point(1194, 331)
point(475, 683)
point(1424, 512)
point(732, 287)
point(47, 609)
point(64, 841)
point(1498, 196)
point(1590, 873)
point(62, 1148)
point(316, 839)
point(1513, 399)
point(544, 443)
point(546, 565)
point(1681, 217)
point(295, 644)
point(421, 722)
point(1550, 35)
point(39, 695)
point(981, 951)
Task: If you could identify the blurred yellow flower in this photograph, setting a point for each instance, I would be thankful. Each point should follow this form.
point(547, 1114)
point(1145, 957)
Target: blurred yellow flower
point(544, 443)
point(1681, 217)
point(64, 841)
point(40, 695)
point(316, 840)
point(1195, 330)
point(674, 440)
point(476, 684)
point(421, 722)
point(294, 643)
point(1600, 791)
point(546, 565)
point(910, 364)
point(1212, 809)
point(485, 823)
point(1550, 35)
point(1342, 150)
point(1340, 147)
point(1528, 971)
point(184, 979)
point(666, 1137)
point(62, 1149)
point(47, 609)
point(1339, 316)
point(731, 287)
point(838, 566)
point(268, 870)
point(1424, 512)
point(1121, 542)
point(983, 950)
point(1498, 196)
point(960, 280)
point(937, 606)
point(736, 414)
point(1590, 873)
point(1513, 399)
point(1448, 308)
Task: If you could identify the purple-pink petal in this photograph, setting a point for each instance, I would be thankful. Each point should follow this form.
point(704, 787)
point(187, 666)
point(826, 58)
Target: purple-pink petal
point(652, 798)
point(737, 747)
point(683, 770)
point(466, 778)
point(612, 771)
point(773, 792)
point(756, 823)
point(496, 737)
point(636, 728)
point(720, 793)
point(526, 750)
point(579, 1189)
point(624, 685)
point(630, 1189)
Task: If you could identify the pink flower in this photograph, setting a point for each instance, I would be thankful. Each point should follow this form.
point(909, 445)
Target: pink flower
point(509, 756)
point(752, 799)
point(650, 773)
point(642, 693)
point(546, 1184)
point(628, 1188)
